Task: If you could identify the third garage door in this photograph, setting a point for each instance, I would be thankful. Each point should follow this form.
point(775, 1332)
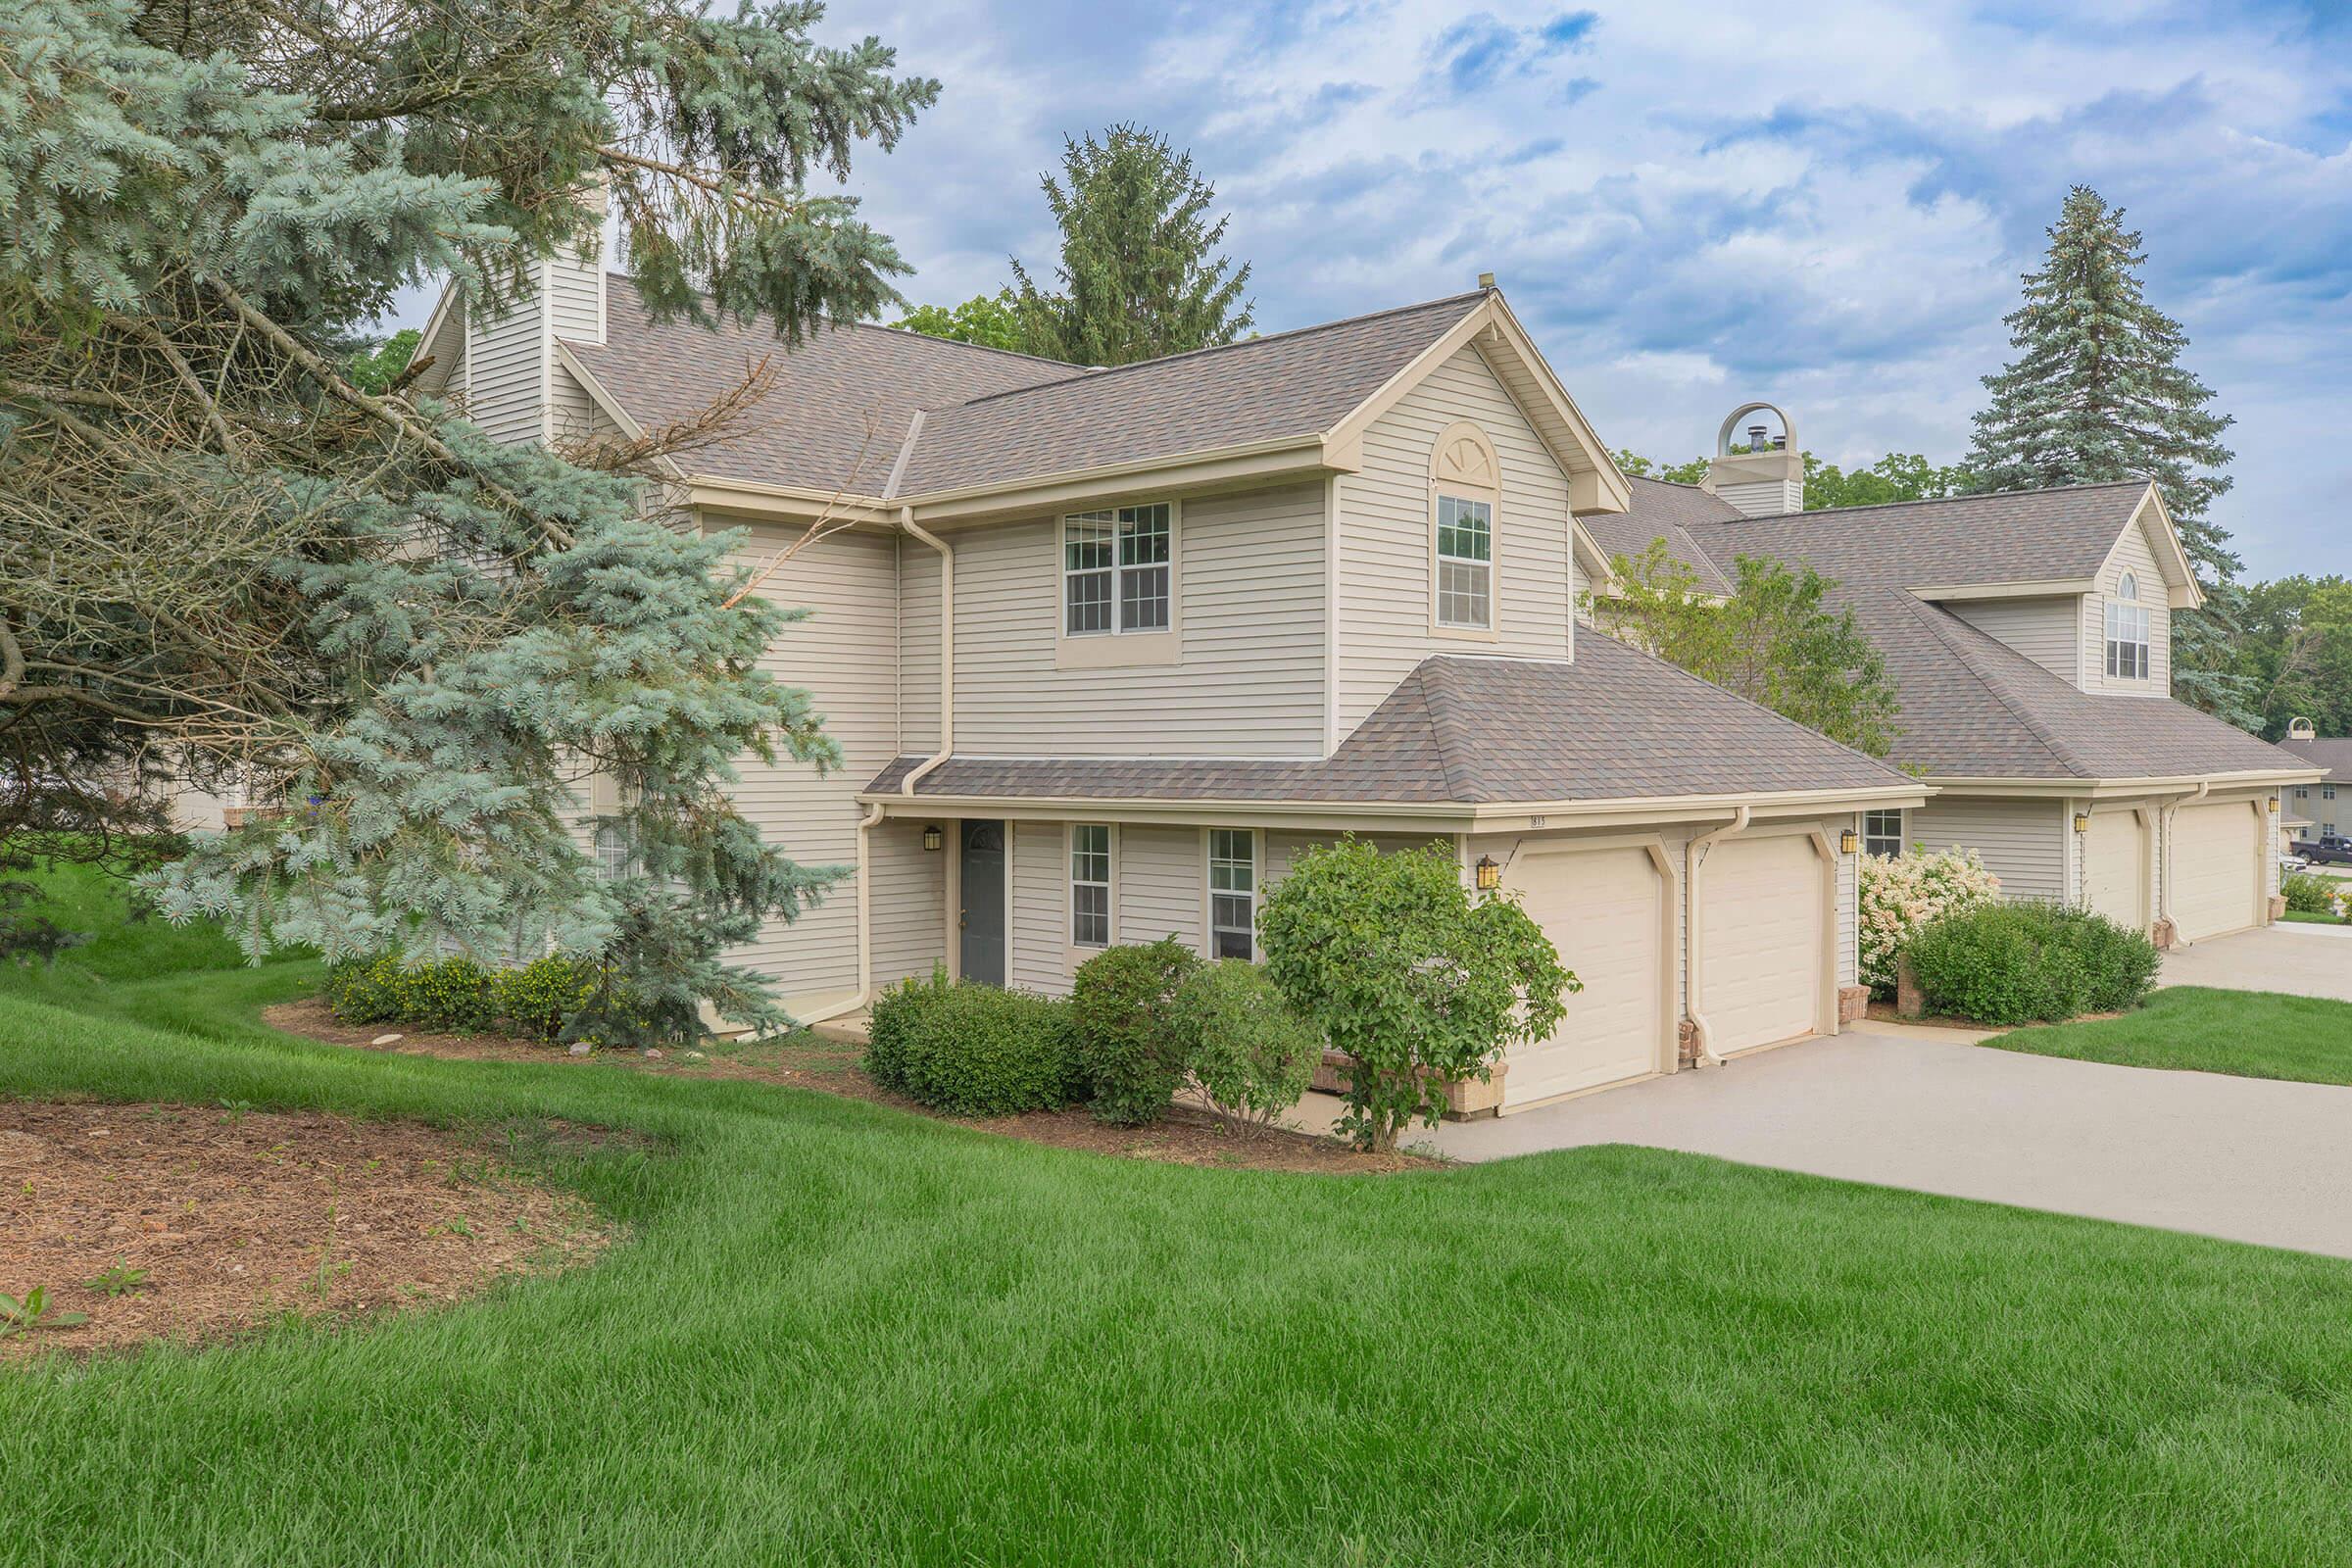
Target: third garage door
point(1762, 944)
point(2217, 870)
point(1604, 909)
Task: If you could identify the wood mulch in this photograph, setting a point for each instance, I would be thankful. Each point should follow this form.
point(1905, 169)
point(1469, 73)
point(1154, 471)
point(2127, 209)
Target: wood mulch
point(1189, 1136)
point(1885, 1013)
point(219, 1219)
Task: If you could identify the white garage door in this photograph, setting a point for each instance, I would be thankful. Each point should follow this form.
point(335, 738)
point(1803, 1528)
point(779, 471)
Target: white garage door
point(2217, 870)
point(1601, 909)
point(1761, 942)
point(2116, 873)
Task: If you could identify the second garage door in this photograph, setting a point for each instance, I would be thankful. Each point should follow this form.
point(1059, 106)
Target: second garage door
point(1603, 909)
point(2117, 870)
point(1762, 946)
point(2217, 870)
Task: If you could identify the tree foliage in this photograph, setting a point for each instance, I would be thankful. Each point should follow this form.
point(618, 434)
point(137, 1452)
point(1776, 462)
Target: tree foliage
point(1897, 477)
point(991, 320)
point(2097, 392)
point(2294, 652)
point(1772, 640)
point(1390, 957)
point(225, 557)
point(1140, 275)
point(382, 365)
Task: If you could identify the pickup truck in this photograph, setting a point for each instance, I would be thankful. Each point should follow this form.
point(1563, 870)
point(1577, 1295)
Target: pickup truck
point(2331, 848)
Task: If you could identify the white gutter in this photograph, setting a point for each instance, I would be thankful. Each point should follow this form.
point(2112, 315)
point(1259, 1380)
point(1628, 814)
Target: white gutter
point(1692, 860)
point(865, 926)
point(946, 650)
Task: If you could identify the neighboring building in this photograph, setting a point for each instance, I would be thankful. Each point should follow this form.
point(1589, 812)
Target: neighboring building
point(1106, 650)
point(2030, 635)
point(2323, 807)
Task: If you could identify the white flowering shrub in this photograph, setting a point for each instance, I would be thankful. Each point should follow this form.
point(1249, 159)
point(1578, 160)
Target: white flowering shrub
point(1900, 894)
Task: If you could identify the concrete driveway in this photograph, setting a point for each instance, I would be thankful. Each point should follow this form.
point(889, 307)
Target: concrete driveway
point(2245, 1158)
point(2307, 960)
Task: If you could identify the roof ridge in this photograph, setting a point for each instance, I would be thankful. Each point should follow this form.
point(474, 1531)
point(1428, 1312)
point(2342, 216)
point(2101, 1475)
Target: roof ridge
point(1439, 737)
point(1092, 375)
point(1922, 501)
point(630, 278)
point(1932, 618)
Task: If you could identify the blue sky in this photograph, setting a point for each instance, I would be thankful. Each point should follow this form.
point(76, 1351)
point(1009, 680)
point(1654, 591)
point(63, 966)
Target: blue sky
point(1826, 204)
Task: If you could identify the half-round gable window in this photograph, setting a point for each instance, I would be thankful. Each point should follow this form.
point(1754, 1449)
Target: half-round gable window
point(2128, 590)
point(1465, 494)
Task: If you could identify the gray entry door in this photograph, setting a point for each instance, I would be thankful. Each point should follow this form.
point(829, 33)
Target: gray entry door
point(983, 916)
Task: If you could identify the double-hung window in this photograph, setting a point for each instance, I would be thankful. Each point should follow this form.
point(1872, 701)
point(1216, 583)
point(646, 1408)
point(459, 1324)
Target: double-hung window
point(1089, 885)
point(1465, 563)
point(1117, 571)
point(2127, 632)
point(1232, 892)
point(1883, 833)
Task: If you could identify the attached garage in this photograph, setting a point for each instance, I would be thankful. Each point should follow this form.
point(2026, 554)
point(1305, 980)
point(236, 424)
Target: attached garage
point(2217, 879)
point(1761, 944)
point(2115, 872)
point(1606, 908)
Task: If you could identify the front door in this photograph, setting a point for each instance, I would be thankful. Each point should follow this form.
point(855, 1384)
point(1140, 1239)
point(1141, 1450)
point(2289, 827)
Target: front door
point(983, 917)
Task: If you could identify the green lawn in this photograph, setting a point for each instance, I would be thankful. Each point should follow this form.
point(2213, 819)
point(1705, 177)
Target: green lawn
point(840, 1333)
point(2302, 918)
point(2254, 1034)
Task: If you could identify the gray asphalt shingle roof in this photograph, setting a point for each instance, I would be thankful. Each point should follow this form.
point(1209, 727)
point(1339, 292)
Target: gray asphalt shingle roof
point(2334, 753)
point(1615, 725)
point(1664, 512)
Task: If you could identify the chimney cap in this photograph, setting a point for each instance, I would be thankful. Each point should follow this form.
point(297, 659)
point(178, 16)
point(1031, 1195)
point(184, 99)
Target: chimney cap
point(1485, 280)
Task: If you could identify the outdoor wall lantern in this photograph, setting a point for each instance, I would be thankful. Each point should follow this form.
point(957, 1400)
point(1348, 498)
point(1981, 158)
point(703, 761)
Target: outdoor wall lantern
point(933, 838)
point(1848, 842)
point(1490, 875)
point(2082, 821)
point(2272, 804)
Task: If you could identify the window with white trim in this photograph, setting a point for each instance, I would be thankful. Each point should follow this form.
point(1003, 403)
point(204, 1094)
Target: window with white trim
point(1883, 833)
point(2127, 632)
point(1232, 892)
point(1089, 885)
point(613, 855)
point(1117, 571)
point(1465, 563)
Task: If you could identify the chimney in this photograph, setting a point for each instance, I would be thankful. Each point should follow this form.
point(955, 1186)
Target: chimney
point(517, 389)
point(1769, 478)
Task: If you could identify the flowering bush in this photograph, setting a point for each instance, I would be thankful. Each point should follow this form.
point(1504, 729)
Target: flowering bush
point(1901, 894)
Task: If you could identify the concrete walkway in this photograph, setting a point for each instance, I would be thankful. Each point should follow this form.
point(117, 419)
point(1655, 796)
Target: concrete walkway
point(2246, 1158)
point(2306, 961)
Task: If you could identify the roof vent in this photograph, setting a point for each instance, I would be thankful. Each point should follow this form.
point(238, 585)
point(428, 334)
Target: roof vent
point(2301, 729)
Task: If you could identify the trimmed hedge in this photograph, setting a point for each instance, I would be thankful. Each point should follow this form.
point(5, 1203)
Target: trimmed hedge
point(1124, 1002)
point(972, 1050)
point(460, 996)
point(2030, 962)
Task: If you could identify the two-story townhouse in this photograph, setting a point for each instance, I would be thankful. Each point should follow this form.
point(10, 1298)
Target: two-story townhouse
point(2322, 808)
point(2028, 635)
point(1106, 650)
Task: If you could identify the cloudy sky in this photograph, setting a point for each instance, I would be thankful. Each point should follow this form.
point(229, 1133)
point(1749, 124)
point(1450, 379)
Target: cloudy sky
point(1824, 202)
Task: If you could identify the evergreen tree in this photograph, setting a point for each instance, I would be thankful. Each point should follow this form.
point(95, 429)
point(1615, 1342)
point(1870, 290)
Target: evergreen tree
point(223, 556)
point(1140, 273)
point(2097, 392)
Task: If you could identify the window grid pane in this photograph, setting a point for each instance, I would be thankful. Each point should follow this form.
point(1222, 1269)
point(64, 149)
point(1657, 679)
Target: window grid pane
point(1089, 885)
point(1465, 529)
point(1143, 598)
point(1232, 893)
point(1462, 594)
point(1883, 833)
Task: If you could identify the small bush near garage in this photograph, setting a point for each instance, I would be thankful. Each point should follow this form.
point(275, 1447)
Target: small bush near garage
point(971, 1049)
point(2035, 962)
point(1129, 1044)
point(1252, 1057)
point(1902, 894)
point(2306, 893)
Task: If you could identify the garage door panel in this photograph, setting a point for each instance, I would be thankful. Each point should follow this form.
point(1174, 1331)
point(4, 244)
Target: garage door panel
point(1602, 908)
point(2117, 875)
point(2217, 870)
point(1762, 940)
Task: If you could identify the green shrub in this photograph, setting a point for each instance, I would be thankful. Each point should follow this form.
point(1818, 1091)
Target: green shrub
point(975, 1051)
point(890, 1026)
point(1252, 1057)
point(539, 999)
point(2015, 964)
point(1124, 1001)
point(367, 990)
point(454, 994)
point(2306, 893)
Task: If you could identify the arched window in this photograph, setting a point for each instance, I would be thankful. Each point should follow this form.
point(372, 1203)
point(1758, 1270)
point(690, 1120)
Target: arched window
point(2127, 631)
point(1465, 494)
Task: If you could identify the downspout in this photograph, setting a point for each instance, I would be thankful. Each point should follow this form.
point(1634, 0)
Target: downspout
point(946, 650)
point(1703, 1033)
point(2203, 789)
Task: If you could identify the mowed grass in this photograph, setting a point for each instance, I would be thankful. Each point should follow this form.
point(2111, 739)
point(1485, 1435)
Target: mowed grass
point(838, 1334)
point(2253, 1034)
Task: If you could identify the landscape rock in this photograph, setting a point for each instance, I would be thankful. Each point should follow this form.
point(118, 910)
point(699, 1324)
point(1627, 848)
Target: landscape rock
point(387, 1040)
point(581, 1049)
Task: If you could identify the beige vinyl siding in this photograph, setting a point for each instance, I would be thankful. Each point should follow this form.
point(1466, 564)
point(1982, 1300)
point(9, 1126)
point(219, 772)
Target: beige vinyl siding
point(2132, 553)
point(575, 288)
point(1039, 874)
point(506, 368)
point(572, 415)
point(2022, 842)
point(1249, 680)
point(2041, 630)
point(1385, 540)
point(843, 654)
point(1850, 900)
point(919, 646)
point(908, 901)
point(1161, 874)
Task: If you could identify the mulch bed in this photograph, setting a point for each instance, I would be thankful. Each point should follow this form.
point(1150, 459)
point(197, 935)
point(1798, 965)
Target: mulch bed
point(237, 1217)
point(1190, 1136)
